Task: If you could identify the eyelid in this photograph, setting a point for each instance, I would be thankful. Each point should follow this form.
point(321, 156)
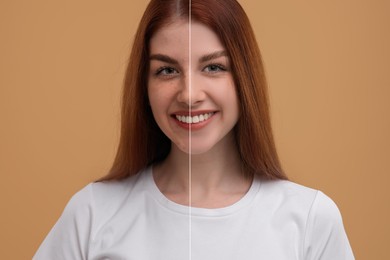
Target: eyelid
point(222, 68)
point(159, 71)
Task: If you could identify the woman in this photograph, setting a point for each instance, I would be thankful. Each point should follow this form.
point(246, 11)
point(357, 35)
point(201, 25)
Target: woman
point(196, 174)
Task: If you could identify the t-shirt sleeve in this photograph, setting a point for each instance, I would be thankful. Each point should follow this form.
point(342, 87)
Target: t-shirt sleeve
point(70, 236)
point(325, 236)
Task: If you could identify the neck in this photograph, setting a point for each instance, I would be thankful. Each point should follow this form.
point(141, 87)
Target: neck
point(217, 169)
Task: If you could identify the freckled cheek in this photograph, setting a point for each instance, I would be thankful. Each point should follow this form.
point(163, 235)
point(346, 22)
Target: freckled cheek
point(161, 97)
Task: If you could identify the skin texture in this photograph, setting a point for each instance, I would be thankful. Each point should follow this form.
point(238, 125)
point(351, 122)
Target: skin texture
point(197, 80)
point(199, 86)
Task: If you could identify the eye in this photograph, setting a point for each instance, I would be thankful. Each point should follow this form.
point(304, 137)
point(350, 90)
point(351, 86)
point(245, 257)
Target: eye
point(166, 71)
point(214, 68)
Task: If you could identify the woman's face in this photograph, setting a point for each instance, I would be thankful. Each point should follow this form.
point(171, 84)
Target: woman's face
point(190, 87)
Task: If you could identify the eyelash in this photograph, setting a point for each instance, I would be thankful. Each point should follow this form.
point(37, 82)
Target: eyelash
point(160, 71)
point(220, 67)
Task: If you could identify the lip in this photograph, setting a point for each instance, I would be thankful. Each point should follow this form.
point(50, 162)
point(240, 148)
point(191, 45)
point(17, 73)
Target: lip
point(193, 126)
point(193, 113)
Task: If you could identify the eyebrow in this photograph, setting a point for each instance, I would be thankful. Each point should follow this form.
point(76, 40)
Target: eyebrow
point(204, 58)
point(212, 56)
point(163, 58)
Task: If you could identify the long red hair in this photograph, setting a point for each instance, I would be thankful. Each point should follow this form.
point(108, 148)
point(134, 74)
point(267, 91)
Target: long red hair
point(142, 143)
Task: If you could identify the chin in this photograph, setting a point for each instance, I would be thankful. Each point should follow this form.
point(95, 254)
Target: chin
point(203, 144)
point(195, 149)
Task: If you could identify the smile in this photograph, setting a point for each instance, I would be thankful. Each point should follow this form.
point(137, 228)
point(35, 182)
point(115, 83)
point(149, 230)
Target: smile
point(194, 119)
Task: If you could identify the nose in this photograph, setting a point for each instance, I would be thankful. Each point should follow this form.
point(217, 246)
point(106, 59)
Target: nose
point(190, 93)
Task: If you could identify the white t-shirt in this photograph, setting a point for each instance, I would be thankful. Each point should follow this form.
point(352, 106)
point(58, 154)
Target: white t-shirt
point(132, 219)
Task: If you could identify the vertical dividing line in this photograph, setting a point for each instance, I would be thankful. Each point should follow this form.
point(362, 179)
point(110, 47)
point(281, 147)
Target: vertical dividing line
point(189, 137)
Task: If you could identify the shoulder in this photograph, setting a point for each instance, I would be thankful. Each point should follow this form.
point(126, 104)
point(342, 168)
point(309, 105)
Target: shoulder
point(287, 188)
point(97, 197)
point(98, 200)
point(325, 236)
point(288, 196)
point(100, 193)
point(108, 196)
point(310, 202)
point(71, 236)
point(317, 216)
point(325, 209)
point(324, 220)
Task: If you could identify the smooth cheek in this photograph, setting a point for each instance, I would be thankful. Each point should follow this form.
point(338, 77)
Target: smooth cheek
point(226, 96)
point(157, 99)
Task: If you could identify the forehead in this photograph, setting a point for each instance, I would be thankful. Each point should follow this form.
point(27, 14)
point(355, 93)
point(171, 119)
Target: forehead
point(179, 39)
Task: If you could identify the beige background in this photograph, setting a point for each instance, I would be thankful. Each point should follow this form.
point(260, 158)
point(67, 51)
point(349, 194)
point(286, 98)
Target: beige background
point(62, 64)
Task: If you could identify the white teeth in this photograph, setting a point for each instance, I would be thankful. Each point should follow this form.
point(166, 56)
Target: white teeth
point(194, 119)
